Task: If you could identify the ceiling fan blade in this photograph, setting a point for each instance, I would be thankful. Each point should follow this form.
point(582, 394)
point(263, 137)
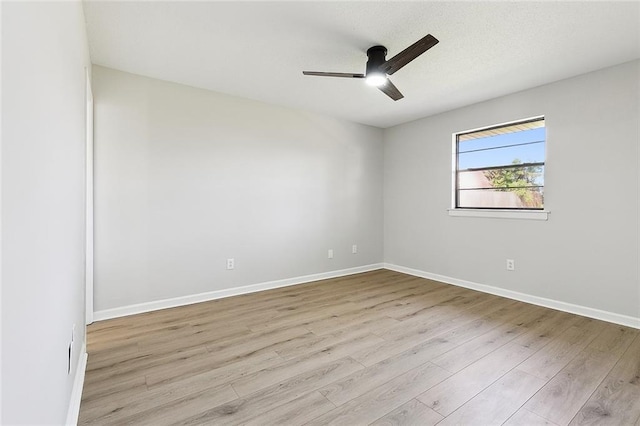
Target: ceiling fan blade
point(391, 91)
point(333, 74)
point(409, 54)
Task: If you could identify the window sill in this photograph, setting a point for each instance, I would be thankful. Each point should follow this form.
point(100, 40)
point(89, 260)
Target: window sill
point(501, 214)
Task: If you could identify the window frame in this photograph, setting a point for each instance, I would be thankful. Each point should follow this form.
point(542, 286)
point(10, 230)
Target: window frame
point(491, 212)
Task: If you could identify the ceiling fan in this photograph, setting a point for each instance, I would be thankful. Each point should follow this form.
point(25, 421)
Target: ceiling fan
point(379, 68)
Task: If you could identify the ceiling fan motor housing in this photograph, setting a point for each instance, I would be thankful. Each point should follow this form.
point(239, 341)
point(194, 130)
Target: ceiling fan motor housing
point(376, 55)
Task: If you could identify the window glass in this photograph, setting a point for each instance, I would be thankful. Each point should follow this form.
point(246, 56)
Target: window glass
point(501, 167)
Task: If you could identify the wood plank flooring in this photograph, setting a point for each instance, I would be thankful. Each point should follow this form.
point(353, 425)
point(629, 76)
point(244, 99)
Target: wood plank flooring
point(380, 348)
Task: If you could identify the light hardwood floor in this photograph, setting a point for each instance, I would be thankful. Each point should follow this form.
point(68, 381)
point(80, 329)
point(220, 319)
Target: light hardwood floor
point(379, 348)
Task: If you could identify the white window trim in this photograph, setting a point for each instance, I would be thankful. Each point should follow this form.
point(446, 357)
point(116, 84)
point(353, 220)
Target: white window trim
point(501, 214)
point(489, 213)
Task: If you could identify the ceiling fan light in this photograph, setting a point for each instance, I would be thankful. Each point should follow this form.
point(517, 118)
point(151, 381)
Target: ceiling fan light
point(376, 79)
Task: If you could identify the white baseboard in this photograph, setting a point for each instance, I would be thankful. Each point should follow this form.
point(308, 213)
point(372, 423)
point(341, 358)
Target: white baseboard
point(523, 297)
point(219, 294)
point(76, 392)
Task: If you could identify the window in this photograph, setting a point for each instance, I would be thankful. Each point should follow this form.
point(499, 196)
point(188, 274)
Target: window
point(501, 167)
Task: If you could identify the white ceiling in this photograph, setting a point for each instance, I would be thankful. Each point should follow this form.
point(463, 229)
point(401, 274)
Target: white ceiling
point(258, 50)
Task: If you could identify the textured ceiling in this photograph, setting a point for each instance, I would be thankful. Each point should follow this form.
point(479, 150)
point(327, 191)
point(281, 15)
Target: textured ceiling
point(258, 50)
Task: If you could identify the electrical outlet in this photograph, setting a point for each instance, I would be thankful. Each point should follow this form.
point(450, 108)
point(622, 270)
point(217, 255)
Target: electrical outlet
point(230, 264)
point(511, 265)
point(354, 249)
point(330, 254)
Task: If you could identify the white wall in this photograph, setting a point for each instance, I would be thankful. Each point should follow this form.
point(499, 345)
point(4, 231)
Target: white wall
point(186, 178)
point(0, 215)
point(587, 252)
point(44, 50)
